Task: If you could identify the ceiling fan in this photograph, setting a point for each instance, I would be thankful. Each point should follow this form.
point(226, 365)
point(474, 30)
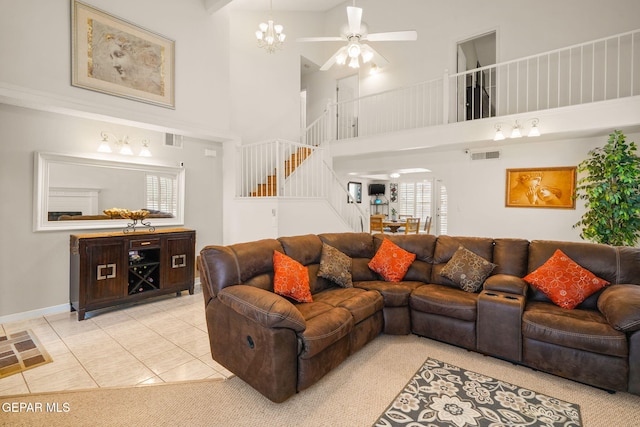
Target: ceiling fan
point(354, 34)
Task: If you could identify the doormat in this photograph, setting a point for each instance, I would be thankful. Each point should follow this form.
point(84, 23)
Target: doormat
point(440, 394)
point(20, 351)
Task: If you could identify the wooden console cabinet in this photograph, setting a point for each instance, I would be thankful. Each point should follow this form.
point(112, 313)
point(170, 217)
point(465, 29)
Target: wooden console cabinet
point(108, 269)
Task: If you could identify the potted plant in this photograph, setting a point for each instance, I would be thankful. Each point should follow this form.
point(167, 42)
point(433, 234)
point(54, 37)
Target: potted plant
point(611, 191)
point(394, 212)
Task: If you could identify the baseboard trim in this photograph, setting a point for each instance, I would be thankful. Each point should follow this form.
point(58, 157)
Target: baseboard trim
point(26, 315)
point(56, 309)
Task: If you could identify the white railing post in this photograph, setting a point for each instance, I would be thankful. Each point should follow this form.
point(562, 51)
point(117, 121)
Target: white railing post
point(445, 97)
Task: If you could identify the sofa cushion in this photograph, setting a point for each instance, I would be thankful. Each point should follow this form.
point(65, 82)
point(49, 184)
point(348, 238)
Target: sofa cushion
point(395, 294)
point(391, 261)
point(565, 282)
point(422, 245)
point(620, 305)
point(445, 301)
point(586, 330)
point(335, 266)
point(360, 303)
point(467, 270)
point(291, 279)
point(325, 328)
point(305, 249)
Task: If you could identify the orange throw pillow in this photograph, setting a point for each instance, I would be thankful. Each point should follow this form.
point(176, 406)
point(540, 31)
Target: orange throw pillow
point(391, 261)
point(291, 279)
point(565, 282)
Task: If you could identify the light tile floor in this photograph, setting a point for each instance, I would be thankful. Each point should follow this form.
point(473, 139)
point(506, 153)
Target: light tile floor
point(159, 340)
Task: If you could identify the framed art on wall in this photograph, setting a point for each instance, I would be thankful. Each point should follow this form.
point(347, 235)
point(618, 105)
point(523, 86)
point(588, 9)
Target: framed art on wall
point(541, 187)
point(113, 56)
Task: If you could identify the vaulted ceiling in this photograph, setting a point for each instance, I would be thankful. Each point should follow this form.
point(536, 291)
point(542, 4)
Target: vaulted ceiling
point(288, 5)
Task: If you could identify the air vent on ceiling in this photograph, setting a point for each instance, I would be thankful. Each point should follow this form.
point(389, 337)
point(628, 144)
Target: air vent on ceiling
point(485, 155)
point(173, 140)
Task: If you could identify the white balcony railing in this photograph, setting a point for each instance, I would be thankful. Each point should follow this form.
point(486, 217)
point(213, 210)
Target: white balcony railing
point(599, 70)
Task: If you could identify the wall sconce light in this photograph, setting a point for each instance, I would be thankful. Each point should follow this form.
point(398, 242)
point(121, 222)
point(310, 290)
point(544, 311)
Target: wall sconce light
point(122, 145)
point(516, 130)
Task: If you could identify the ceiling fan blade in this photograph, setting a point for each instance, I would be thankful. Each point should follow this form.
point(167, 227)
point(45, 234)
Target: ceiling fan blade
point(392, 36)
point(320, 39)
point(354, 14)
point(333, 59)
point(378, 59)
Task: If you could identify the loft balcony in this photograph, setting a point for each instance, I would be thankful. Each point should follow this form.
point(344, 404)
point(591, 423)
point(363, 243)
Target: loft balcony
point(582, 88)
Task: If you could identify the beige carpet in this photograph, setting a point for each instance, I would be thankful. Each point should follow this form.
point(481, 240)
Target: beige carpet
point(354, 394)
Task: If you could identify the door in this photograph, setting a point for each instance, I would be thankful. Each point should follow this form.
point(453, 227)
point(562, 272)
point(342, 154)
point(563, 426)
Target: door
point(178, 262)
point(440, 223)
point(347, 91)
point(106, 277)
point(476, 90)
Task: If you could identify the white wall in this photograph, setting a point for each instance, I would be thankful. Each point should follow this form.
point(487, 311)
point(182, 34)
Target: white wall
point(35, 47)
point(35, 50)
point(476, 189)
point(34, 266)
point(266, 87)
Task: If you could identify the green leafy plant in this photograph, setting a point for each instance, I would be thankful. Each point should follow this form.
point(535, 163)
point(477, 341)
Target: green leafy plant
point(611, 191)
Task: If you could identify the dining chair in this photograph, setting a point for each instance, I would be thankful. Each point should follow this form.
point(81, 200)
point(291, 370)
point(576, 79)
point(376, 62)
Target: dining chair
point(427, 226)
point(412, 226)
point(376, 224)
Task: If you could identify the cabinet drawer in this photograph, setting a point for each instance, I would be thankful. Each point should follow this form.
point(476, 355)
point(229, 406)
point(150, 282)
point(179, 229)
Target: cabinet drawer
point(144, 243)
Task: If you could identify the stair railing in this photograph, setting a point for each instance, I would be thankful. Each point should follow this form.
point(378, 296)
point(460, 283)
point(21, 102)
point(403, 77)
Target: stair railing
point(343, 202)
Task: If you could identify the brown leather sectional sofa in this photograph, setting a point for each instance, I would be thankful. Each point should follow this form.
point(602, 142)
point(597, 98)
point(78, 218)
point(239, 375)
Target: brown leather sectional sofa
point(281, 347)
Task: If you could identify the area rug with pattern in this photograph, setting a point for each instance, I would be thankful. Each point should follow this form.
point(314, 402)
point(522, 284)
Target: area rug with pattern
point(20, 351)
point(440, 394)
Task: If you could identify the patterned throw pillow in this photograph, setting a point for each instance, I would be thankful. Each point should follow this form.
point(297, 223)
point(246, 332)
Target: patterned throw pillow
point(564, 282)
point(391, 261)
point(291, 279)
point(335, 266)
point(467, 270)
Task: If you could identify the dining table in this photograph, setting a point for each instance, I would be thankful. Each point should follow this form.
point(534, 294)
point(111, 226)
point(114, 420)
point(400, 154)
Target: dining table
point(393, 224)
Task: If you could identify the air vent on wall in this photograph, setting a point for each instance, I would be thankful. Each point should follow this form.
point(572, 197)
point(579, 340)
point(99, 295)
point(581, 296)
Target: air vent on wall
point(485, 155)
point(173, 140)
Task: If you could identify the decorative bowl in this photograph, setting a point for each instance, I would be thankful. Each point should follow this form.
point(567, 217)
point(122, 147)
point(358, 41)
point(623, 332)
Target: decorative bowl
point(137, 215)
point(116, 212)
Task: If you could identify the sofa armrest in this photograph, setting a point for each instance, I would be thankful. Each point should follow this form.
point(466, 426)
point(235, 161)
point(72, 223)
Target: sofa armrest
point(620, 305)
point(266, 308)
point(506, 283)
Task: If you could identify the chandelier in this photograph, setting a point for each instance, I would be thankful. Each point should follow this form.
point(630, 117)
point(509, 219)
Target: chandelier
point(270, 35)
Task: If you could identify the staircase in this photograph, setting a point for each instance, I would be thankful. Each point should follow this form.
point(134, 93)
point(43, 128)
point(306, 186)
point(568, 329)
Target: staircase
point(295, 159)
point(270, 187)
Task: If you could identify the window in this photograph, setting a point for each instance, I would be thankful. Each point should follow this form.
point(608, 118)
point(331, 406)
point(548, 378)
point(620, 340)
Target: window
point(415, 199)
point(421, 200)
point(442, 215)
point(161, 193)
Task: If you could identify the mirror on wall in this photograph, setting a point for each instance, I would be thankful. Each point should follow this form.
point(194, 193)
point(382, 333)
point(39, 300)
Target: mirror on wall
point(355, 192)
point(72, 192)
